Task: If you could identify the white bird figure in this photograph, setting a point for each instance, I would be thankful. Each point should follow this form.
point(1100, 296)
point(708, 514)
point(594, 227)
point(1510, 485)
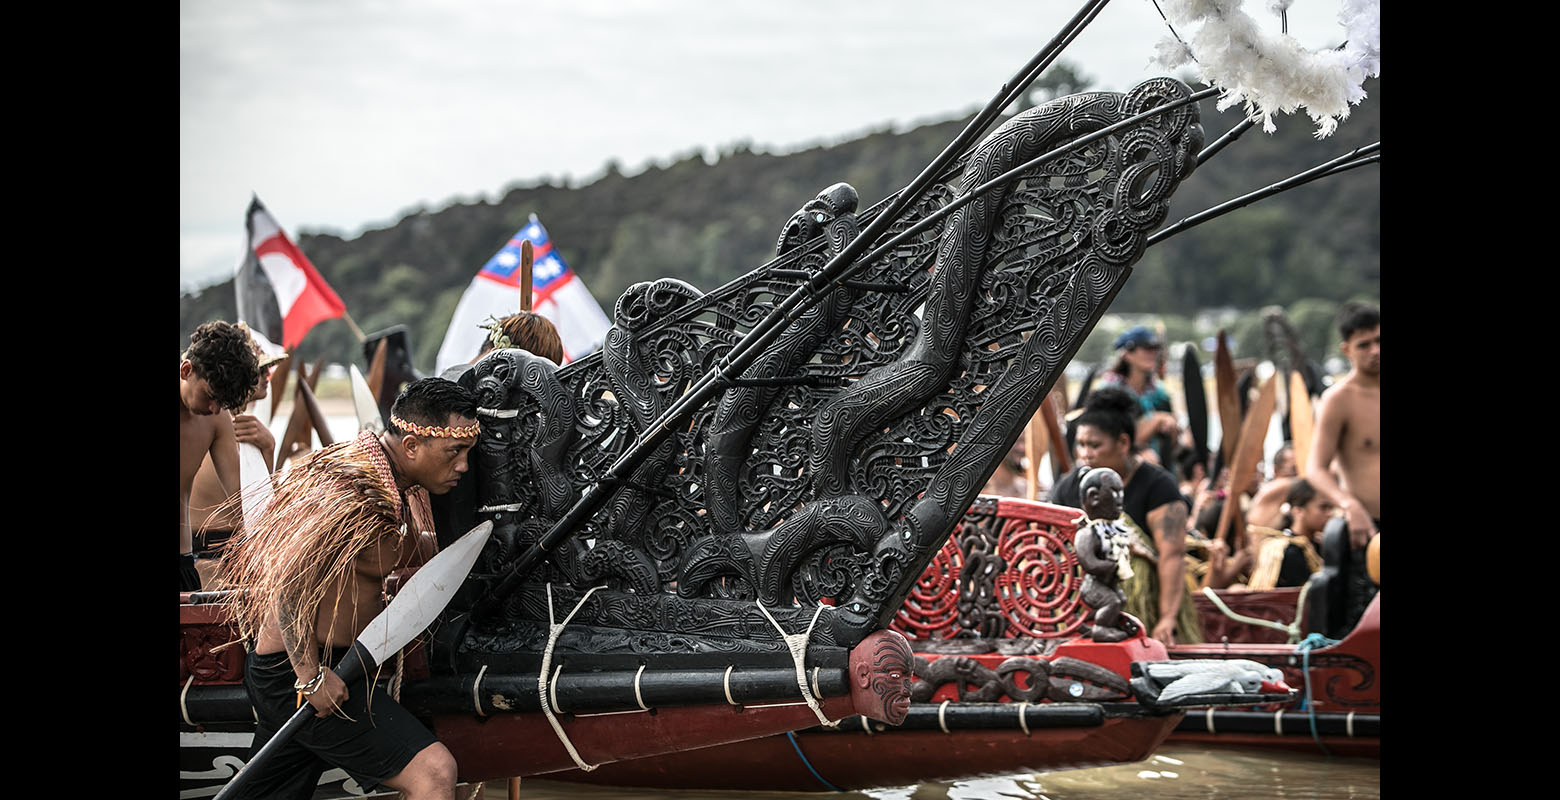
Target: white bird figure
point(1201, 676)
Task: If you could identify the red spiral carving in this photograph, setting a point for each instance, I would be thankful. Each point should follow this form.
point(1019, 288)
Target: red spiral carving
point(931, 611)
point(1040, 589)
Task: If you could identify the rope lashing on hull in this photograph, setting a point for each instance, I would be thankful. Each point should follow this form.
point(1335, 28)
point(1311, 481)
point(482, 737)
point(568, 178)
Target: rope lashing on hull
point(797, 643)
point(637, 696)
point(184, 709)
point(1306, 645)
point(554, 630)
point(476, 698)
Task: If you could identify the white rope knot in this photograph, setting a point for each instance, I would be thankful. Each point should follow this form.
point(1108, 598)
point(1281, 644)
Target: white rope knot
point(797, 643)
point(554, 629)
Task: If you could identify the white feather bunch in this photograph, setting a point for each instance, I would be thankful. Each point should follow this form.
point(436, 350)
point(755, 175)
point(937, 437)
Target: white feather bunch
point(1272, 73)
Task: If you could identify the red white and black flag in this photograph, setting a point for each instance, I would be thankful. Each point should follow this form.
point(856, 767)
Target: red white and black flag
point(280, 294)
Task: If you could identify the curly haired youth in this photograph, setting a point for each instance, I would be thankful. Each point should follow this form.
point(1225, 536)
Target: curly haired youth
point(222, 355)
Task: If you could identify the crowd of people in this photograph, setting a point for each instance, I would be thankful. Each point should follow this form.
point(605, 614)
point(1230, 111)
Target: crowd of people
point(1127, 425)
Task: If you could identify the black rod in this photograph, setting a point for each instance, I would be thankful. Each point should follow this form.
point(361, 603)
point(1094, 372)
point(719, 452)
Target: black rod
point(1332, 167)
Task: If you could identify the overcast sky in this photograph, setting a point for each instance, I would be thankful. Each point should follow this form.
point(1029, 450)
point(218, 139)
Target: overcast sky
point(344, 115)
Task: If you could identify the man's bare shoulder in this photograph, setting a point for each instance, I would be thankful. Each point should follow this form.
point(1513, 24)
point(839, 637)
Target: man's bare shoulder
point(1347, 393)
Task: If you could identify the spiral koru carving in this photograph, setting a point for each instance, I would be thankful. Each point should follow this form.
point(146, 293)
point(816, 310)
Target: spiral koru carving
point(932, 609)
point(1039, 592)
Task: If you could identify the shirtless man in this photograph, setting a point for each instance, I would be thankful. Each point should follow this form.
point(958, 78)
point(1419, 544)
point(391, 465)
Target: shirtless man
point(217, 372)
point(212, 518)
point(313, 564)
point(1348, 427)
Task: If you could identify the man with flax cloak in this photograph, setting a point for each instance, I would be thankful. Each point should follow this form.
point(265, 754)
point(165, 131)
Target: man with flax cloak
point(312, 568)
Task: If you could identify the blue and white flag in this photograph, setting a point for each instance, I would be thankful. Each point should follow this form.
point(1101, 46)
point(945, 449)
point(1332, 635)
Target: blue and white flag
point(556, 293)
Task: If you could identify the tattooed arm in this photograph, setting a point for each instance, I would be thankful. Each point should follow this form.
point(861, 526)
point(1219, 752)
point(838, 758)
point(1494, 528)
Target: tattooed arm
point(304, 657)
point(1168, 523)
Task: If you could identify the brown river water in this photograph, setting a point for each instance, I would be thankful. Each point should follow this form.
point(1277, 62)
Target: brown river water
point(1174, 772)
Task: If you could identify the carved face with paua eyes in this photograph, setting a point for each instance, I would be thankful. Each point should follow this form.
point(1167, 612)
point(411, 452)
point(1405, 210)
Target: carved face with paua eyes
point(880, 676)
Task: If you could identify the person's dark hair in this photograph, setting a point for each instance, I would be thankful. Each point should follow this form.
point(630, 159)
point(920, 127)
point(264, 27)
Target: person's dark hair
point(1357, 316)
point(1186, 461)
point(222, 355)
point(1112, 410)
point(529, 331)
point(1300, 493)
point(431, 401)
point(1208, 517)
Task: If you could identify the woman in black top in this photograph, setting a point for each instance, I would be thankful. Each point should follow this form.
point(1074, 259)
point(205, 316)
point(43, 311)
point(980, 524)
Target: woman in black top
point(1158, 593)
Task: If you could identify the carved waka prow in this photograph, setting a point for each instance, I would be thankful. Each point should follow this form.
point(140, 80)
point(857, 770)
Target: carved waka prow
point(840, 460)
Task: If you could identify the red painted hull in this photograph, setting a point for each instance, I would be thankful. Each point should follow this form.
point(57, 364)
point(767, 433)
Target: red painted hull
point(858, 760)
point(525, 744)
point(1344, 678)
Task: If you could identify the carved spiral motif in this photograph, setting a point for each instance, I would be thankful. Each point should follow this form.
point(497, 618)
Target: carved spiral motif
point(1039, 591)
point(932, 609)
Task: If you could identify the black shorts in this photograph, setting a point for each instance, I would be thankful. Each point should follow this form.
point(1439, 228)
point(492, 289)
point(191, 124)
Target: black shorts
point(382, 740)
point(189, 578)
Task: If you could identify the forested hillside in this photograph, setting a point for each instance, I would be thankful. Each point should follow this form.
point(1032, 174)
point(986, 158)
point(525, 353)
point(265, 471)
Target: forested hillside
point(709, 223)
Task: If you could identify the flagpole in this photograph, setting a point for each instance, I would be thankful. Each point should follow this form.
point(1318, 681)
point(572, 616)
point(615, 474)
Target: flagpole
point(526, 258)
point(355, 329)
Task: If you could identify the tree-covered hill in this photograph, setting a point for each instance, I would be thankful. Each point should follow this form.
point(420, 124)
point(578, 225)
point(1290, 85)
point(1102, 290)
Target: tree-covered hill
point(709, 223)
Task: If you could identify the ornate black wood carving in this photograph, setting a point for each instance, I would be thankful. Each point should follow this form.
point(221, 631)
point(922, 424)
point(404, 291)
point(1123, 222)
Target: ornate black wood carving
point(835, 466)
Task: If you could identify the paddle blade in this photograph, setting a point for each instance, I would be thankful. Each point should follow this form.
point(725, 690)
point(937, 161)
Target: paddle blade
point(1225, 392)
point(1302, 422)
point(1196, 402)
point(424, 595)
point(364, 404)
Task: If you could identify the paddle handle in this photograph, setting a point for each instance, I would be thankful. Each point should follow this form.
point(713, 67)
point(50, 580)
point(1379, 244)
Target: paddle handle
point(351, 668)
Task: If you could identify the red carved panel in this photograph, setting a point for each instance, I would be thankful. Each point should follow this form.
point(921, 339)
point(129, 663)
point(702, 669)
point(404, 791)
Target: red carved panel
point(931, 611)
point(1037, 592)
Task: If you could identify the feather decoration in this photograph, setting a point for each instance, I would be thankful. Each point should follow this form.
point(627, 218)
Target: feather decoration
point(1271, 73)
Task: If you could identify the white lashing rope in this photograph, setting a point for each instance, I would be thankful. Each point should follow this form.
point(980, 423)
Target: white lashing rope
point(866, 725)
point(797, 643)
point(1278, 722)
point(1348, 724)
point(639, 698)
point(727, 684)
point(1209, 719)
point(183, 709)
point(554, 629)
point(476, 699)
point(941, 721)
point(500, 413)
point(1022, 722)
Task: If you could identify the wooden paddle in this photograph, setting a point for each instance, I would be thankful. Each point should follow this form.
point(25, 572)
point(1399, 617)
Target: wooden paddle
point(315, 416)
point(1248, 452)
point(1196, 398)
point(376, 369)
point(1061, 460)
point(278, 385)
point(419, 602)
point(1302, 420)
point(297, 435)
point(1224, 389)
point(1036, 442)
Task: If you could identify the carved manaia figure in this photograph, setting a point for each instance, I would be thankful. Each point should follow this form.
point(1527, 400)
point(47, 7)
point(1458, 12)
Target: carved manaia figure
point(1101, 545)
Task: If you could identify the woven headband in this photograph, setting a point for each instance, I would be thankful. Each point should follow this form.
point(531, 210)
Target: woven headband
point(466, 432)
